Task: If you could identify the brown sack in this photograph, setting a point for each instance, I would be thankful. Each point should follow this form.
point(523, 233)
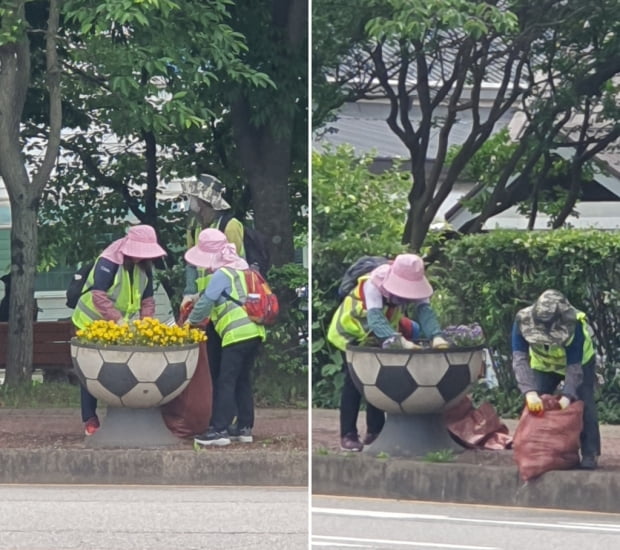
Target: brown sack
point(189, 413)
point(479, 428)
point(549, 441)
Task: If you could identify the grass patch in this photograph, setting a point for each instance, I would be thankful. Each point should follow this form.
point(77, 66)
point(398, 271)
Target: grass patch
point(444, 455)
point(39, 395)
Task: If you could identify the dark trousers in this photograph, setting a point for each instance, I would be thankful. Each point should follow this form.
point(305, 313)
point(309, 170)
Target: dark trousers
point(233, 387)
point(350, 401)
point(214, 351)
point(88, 404)
point(547, 382)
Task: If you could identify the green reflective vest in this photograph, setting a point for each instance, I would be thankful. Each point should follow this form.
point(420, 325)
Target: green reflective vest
point(553, 358)
point(126, 294)
point(230, 320)
point(349, 325)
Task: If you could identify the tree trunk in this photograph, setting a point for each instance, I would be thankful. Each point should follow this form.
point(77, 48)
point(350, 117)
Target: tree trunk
point(21, 304)
point(24, 192)
point(266, 163)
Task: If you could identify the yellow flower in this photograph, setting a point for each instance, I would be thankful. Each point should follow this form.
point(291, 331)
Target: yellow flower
point(144, 332)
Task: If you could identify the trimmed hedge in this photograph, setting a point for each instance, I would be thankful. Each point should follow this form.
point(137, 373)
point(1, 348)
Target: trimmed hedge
point(489, 277)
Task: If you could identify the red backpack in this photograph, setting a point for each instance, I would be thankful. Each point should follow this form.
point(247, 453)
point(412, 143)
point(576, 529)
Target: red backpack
point(261, 303)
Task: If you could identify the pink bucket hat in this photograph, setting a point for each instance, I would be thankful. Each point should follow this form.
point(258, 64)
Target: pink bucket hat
point(406, 278)
point(377, 275)
point(214, 251)
point(141, 242)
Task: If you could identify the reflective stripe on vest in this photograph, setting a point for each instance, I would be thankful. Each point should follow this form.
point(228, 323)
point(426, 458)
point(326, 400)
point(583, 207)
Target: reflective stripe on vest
point(126, 296)
point(349, 324)
point(553, 358)
point(230, 319)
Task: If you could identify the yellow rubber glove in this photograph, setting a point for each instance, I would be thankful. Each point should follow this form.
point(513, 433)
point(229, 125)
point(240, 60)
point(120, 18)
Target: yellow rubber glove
point(439, 342)
point(564, 402)
point(534, 402)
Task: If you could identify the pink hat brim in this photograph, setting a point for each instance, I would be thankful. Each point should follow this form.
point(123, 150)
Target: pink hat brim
point(197, 257)
point(409, 290)
point(144, 251)
point(213, 260)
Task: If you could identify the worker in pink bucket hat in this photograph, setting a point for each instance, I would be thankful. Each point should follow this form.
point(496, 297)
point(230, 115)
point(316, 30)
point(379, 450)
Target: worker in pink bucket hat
point(374, 312)
point(118, 288)
point(221, 303)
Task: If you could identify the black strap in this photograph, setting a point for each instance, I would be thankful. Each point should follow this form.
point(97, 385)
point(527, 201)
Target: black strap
point(226, 295)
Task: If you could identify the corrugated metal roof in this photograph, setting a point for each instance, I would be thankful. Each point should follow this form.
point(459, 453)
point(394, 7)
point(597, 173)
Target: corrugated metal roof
point(363, 126)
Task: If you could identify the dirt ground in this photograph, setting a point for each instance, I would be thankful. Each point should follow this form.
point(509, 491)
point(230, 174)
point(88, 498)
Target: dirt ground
point(275, 429)
point(325, 437)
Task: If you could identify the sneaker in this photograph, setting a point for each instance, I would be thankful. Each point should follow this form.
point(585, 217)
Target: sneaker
point(242, 435)
point(91, 425)
point(213, 438)
point(351, 442)
point(370, 438)
point(589, 462)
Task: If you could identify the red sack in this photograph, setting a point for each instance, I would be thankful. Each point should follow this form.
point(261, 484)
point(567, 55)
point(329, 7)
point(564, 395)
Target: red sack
point(549, 441)
point(479, 428)
point(189, 413)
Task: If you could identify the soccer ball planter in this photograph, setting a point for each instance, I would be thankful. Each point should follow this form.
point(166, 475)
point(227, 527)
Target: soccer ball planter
point(413, 387)
point(134, 376)
point(135, 369)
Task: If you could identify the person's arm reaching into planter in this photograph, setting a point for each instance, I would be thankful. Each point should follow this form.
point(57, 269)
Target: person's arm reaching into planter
point(147, 307)
point(213, 294)
point(105, 271)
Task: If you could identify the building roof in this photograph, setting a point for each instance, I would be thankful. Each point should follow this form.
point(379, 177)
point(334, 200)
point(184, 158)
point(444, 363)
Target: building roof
point(363, 126)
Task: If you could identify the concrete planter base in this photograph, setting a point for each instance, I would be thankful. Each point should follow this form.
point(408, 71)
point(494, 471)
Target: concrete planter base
point(127, 428)
point(412, 436)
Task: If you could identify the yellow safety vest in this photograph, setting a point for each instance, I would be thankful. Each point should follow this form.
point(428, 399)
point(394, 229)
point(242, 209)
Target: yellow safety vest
point(349, 325)
point(126, 294)
point(553, 358)
point(230, 320)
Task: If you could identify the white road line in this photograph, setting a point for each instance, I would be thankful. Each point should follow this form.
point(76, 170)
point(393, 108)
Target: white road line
point(610, 528)
point(340, 545)
point(392, 542)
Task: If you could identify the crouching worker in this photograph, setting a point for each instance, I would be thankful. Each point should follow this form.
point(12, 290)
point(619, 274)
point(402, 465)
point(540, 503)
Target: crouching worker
point(118, 287)
point(551, 344)
point(241, 337)
point(374, 310)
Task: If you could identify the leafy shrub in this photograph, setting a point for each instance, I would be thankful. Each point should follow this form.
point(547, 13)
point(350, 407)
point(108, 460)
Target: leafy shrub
point(282, 367)
point(354, 212)
point(489, 277)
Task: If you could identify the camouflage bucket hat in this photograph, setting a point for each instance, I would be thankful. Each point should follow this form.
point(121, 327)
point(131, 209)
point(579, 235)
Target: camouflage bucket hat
point(551, 320)
point(209, 189)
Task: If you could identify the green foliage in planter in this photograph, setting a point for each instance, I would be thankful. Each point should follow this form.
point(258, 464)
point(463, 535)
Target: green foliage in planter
point(354, 212)
point(282, 367)
point(488, 277)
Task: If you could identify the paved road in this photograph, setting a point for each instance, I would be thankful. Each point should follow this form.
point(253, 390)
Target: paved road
point(381, 524)
point(152, 518)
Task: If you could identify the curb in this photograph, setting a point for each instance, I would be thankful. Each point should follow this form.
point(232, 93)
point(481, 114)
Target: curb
point(369, 477)
point(161, 467)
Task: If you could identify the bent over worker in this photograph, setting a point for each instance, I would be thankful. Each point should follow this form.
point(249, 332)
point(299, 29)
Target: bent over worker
point(551, 344)
point(374, 310)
